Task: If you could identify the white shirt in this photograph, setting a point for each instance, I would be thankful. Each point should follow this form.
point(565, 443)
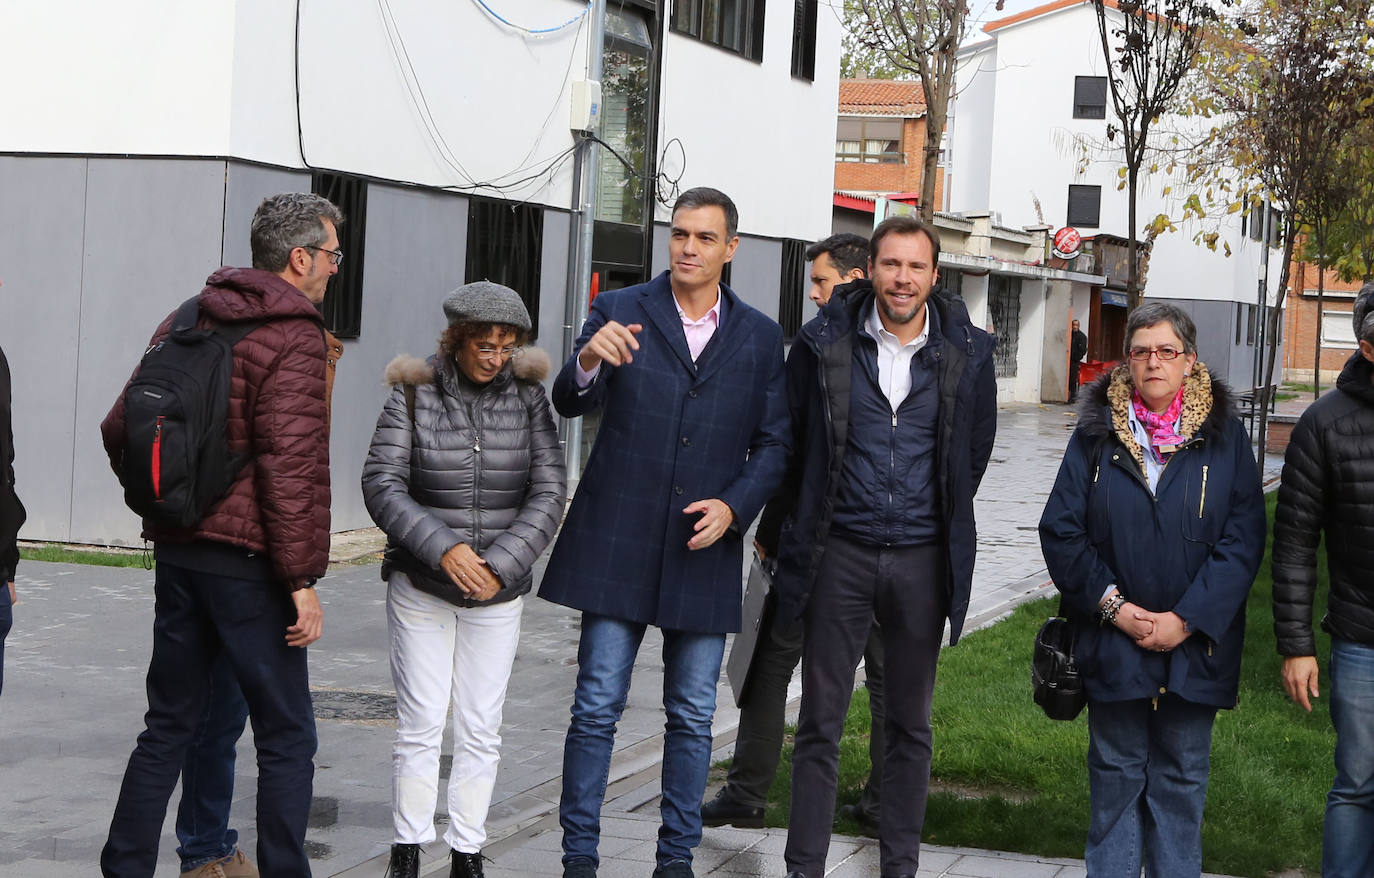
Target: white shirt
point(894, 358)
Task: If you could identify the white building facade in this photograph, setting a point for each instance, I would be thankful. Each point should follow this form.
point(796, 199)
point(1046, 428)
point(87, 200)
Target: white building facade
point(139, 137)
point(1028, 140)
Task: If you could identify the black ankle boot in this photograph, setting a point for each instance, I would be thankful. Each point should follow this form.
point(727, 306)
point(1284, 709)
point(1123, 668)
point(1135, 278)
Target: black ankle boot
point(465, 865)
point(405, 861)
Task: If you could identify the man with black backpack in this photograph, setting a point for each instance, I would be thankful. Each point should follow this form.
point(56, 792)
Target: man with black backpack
point(224, 451)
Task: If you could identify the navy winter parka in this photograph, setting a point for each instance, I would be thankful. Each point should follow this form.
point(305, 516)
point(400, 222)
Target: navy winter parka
point(672, 432)
point(1193, 546)
point(819, 369)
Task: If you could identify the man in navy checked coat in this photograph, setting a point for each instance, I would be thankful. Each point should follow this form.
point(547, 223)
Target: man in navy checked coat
point(692, 443)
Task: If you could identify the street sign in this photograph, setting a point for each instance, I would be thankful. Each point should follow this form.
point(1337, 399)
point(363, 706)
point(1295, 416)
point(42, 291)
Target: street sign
point(1067, 242)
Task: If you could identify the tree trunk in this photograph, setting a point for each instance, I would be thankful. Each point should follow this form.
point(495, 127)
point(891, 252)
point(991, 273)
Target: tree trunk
point(1133, 292)
point(1272, 342)
point(1321, 302)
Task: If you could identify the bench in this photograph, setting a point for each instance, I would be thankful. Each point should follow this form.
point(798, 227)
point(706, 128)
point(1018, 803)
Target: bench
point(1247, 404)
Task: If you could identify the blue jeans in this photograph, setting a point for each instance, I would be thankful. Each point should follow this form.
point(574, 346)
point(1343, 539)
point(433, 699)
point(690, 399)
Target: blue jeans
point(198, 618)
point(1147, 785)
point(1348, 838)
point(606, 658)
point(207, 776)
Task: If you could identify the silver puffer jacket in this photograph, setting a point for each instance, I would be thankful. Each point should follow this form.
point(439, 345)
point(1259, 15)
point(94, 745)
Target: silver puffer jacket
point(479, 465)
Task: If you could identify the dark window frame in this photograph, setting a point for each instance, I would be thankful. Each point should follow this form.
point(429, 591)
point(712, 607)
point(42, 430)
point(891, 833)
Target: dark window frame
point(505, 244)
point(342, 307)
point(693, 18)
point(1078, 214)
point(1085, 103)
point(804, 39)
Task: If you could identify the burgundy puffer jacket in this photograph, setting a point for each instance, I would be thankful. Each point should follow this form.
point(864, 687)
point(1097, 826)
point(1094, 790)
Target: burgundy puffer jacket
point(279, 504)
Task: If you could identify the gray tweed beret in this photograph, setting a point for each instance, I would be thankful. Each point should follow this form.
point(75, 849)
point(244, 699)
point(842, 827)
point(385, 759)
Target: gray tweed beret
point(1364, 307)
point(486, 302)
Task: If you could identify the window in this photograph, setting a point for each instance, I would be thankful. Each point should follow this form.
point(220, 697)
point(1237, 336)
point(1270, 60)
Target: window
point(343, 297)
point(792, 286)
point(804, 39)
point(1252, 324)
point(1257, 222)
point(620, 190)
point(1004, 312)
point(1275, 227)
point(1338, 330)
point(1085, 206)
point(1090, 97)
point(869, 140)
point(953, 282)
point(1240, 318)
point(505, 245)
point(734, 25)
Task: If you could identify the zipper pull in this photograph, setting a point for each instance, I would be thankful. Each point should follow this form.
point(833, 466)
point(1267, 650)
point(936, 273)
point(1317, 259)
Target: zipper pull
point(1203, 499)
point(1097, 468)
point(894, 420)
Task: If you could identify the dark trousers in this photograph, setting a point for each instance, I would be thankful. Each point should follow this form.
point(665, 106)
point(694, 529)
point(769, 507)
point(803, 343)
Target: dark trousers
point(905, 588)
point(758, 744)
point(207, 777)
point(199, 617)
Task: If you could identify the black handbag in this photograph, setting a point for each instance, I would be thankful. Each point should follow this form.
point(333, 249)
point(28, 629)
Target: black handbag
point(1055, 680)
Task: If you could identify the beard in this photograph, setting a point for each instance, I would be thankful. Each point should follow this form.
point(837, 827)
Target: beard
point(899, 317)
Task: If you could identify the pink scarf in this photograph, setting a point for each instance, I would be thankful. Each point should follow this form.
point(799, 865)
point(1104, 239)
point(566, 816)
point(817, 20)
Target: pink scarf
point(1163, 440)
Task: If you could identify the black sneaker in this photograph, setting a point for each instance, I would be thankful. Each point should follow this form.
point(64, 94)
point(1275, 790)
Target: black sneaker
point(868, 823)
point(463, 865)
point(579, 869)
point(724, 810)
point(675, 869)
point(405, 861)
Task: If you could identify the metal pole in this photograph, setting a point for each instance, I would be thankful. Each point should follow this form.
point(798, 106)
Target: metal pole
point(581, 257)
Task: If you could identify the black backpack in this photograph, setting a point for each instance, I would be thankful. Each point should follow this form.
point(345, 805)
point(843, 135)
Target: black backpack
point(176, 462)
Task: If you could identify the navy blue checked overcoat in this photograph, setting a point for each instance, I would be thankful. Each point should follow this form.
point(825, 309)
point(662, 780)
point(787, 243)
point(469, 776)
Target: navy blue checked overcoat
point(672, 432)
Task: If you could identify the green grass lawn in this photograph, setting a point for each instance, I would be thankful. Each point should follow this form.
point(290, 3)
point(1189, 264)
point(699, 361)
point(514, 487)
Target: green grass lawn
point(1017, 781)
point(62, 555)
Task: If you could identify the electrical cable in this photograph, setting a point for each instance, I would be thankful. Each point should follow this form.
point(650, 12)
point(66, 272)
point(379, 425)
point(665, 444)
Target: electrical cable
point(666, 196)
point(536, 31)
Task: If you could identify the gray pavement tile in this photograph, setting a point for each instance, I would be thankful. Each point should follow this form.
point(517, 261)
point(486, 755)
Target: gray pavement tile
point(994, 866)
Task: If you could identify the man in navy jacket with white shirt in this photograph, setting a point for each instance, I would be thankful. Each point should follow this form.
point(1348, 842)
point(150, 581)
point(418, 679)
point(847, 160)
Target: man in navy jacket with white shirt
point(894, 407)
point(692, 443)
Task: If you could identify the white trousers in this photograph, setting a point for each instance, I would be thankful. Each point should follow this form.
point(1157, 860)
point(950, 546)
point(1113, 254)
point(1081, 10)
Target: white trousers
point(441, 653)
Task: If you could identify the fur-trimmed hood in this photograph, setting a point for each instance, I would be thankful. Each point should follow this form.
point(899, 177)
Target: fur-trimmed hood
point(1208, 404)
point(532, 366)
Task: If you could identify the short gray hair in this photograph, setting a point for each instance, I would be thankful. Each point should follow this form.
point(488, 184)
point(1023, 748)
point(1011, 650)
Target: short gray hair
point(1161, 312)
point(1363, 316)
point(287, 221)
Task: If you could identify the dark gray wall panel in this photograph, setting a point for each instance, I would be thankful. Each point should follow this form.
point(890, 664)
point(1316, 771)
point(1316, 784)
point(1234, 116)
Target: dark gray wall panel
point(245, 187)
point(756, 274)
point(416, 246)
point(42, 201)
point(553, 289)
point(153, 234)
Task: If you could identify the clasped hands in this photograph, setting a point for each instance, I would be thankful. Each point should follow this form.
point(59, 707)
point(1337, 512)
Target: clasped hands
point(1156, 632)
point(470, 573)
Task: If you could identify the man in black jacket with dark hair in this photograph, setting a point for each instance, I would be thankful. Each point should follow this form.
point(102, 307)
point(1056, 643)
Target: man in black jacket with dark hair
point(894, 410)
point(1328, 485)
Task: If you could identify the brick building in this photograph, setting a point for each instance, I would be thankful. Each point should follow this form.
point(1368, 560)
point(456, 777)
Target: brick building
point(880, 138)
point(1302, 324)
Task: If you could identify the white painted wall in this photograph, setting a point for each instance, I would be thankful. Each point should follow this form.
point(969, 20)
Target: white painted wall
point(439, 95)
point(752, 130)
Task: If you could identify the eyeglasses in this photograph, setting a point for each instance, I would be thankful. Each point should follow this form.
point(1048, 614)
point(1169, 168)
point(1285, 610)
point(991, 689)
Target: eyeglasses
point(335, 256)
point(1164, 354)
point(487, 352)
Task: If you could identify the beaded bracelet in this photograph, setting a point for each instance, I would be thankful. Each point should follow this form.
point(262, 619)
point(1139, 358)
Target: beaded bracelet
point(1110, 607)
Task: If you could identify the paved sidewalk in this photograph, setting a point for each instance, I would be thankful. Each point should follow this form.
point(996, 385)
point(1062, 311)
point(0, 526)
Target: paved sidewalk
point(74, 699)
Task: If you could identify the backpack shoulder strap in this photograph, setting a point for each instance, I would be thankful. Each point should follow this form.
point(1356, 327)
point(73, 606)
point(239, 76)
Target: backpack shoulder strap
point(188, 313)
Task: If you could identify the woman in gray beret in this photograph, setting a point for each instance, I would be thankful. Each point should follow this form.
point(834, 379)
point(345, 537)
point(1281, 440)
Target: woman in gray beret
point(466, 478)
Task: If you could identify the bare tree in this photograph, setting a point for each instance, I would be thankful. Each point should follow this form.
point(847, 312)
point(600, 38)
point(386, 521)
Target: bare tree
point(913, 39)
point(1149, 47)
point(1287, 83)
